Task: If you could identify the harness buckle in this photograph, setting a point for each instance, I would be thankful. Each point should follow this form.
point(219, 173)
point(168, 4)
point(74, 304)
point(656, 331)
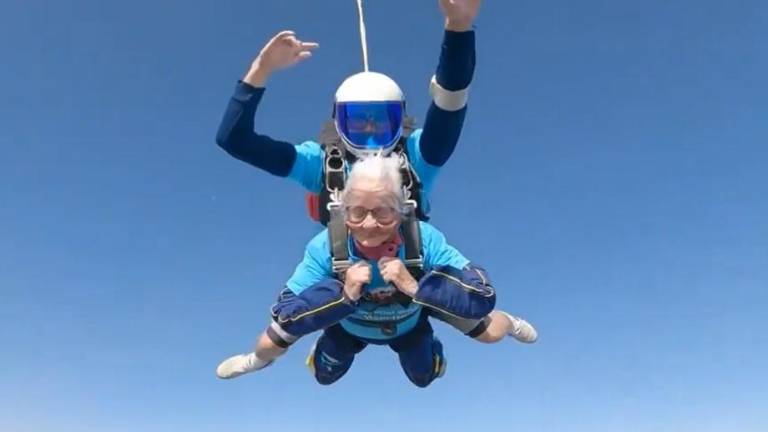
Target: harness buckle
point(334, 169)
point(414, 262)
point(333, 204)
point(340, 266)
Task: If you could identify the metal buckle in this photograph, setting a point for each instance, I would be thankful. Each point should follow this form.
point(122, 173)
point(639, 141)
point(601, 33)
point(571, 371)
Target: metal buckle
point(334, 163)
point(340, 266)
point(415, 262)
point(333, 204)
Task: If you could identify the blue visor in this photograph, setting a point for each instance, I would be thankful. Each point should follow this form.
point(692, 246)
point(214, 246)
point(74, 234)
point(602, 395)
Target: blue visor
point(370, 125)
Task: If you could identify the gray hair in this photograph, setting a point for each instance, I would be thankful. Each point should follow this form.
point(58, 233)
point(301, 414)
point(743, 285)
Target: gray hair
point(384, 170)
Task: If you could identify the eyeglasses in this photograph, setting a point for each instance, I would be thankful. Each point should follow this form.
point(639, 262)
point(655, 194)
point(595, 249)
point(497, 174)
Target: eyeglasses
point(383, 215)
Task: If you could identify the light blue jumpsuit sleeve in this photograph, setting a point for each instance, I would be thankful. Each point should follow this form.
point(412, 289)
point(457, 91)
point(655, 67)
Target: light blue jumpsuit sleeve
point(437, 251)
point(307, 169)
point(426, 172)
point(315, 267)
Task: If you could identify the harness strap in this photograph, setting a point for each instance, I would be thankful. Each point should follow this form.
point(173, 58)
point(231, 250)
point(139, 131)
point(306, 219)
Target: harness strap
point(411, 182)
point(414, 260)
point(338, 237)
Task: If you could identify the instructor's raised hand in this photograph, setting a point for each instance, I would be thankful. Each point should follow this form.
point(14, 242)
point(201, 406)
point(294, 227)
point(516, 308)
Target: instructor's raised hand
point(282, 51)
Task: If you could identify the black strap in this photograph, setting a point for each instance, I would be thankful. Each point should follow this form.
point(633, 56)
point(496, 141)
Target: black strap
point(414, 260)
point(411, 181)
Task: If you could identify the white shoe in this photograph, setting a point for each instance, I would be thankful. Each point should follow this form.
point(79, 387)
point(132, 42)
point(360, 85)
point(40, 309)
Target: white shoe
point(240, 364)
point(522, 330)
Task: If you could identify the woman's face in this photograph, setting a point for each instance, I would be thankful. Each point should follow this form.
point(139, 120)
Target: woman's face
point(371, 214)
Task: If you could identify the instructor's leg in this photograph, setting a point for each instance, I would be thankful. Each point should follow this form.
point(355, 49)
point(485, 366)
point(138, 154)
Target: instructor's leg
point(421, 353)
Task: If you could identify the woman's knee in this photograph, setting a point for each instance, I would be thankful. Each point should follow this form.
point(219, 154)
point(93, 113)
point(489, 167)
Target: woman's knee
point(495, 328)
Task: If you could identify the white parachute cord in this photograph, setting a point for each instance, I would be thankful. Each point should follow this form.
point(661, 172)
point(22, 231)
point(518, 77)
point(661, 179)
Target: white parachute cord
point(363, 42)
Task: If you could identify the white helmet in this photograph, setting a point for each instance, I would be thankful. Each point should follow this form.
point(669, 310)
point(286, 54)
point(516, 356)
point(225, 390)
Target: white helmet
point(368, 112)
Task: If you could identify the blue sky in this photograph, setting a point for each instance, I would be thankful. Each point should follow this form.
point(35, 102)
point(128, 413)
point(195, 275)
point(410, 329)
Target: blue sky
point(611, 177)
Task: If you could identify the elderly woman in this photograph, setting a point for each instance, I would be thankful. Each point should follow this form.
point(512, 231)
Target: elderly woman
point(377, 300)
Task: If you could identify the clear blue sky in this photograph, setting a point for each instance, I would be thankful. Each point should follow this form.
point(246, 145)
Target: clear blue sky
point(612, 176)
